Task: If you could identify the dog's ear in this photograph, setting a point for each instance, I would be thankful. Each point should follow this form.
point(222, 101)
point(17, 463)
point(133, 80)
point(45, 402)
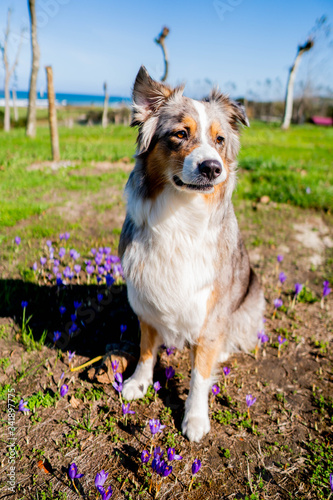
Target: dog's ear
point(148, 96)
point(238, 115)
point(235, 111)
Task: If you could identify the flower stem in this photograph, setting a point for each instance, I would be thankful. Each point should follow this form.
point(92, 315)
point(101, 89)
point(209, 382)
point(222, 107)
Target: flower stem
point(190, 486)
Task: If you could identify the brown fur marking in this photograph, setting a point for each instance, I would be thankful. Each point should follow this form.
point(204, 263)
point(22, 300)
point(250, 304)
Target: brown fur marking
point(149, 339)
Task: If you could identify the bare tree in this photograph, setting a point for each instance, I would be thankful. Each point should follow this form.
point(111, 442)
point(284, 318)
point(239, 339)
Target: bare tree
point(9, 70)
point(161, 41)
point(105, 108)
point(31, 119)
point(288, 111)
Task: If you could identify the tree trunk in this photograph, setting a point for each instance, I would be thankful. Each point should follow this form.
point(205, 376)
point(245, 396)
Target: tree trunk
point(288, 111)
point(52, 115)
point(31, 119)
point(6, 124)
point(161, 41)
point(105, 109)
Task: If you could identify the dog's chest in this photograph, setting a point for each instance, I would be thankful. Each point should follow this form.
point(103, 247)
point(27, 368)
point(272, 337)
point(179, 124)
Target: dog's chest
point(170, 270)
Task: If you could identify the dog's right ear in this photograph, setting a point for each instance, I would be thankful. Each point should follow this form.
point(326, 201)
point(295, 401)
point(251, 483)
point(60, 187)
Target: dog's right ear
point(148, 96)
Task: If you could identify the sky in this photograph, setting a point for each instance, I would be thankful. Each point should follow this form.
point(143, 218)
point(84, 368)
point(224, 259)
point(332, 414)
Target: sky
point(235, 44)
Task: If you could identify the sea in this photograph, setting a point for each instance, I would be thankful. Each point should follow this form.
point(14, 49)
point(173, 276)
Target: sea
point(64, 99)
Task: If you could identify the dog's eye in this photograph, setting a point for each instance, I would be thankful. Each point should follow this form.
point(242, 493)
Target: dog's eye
point(219, 139)
point(181, 134)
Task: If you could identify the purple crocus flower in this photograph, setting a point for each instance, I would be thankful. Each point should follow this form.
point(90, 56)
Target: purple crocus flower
point(281, 340)
point(71, 355)
point(62, 310)
point(308, 190)
point(17, 240)
point(298, 288)
point(90, 269)
point(278, 303)
point(326, 288)
point(331, 481)
point(59, 281)
point(172, 455)
point(48, 243)
point(105, 494)
point(158, 453)
point(279, 258)
point(72, 472)
point(22, 406)
point(282, 277)
point(56, 336)
point(226, 371)
point(34, 266)
point(77, 304)
point(100, 297)
point(101, 478)
point(77, 268)
point(169, 372)
point(62, 252)
point(166, 470)
point(250, 400)
point(55, 270)
point(170, 350)
point(263, 337)
point(99, 259)
point(73, 328)
point(24, 304)
point(68, 273)
point(66, 235)
point(93, 251)
point(118, 383)
point(157, 386)
point(114, 365)
point(101, 270)
point(126, 409)
point(123, 328)
point(215, 390)
point(109, 280)
point(74, 254)
point(43, 261)
point(155, 426)
point(63, 390)
point(196, 466)
point(145, 456)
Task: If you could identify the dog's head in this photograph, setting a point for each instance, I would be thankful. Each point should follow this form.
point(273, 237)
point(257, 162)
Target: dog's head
point(189, 144)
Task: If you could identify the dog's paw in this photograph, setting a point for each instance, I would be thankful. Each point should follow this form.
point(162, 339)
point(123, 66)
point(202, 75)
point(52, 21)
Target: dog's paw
point(134, 389)
point(195, 427)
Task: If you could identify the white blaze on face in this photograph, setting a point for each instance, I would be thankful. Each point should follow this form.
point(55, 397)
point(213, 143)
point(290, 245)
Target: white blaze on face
point(203, 152)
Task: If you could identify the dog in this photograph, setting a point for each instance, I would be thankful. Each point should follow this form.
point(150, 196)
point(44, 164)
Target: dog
point(187, 271)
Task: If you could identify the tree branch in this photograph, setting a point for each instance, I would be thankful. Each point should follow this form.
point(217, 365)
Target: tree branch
point(161, 41)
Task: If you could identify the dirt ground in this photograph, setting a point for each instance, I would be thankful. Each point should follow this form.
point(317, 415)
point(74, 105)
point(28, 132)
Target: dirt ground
point(284, 451)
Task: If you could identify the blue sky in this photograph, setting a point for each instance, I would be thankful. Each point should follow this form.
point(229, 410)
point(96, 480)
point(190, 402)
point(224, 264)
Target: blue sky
point(219, 41)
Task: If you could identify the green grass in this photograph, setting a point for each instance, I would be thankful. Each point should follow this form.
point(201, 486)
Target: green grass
point(272, 162)
point(282, 164)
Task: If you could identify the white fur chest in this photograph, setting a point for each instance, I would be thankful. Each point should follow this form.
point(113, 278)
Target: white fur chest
point(169, 265)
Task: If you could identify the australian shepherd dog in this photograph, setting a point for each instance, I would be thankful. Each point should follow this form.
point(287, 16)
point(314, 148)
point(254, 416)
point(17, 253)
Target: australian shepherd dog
point(188, 274)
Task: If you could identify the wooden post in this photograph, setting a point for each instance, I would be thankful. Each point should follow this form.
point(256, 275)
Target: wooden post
point(105, 108)
point(52, 115)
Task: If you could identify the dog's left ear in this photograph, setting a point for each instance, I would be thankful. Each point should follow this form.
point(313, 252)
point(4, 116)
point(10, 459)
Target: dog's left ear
point(234, 110)
point(238, 115)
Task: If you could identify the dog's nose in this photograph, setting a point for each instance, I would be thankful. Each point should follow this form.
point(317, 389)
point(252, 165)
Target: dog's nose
point(210, 169)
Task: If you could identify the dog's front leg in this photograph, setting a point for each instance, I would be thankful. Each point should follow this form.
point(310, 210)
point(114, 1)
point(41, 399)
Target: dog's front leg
point(136, 386)
point(196, 420)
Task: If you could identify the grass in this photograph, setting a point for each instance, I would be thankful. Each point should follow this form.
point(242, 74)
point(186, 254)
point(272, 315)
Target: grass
point(283, 164)
point(273, 162)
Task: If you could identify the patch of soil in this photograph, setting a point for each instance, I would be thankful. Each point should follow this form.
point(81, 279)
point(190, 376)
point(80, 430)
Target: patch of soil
point(266, 457)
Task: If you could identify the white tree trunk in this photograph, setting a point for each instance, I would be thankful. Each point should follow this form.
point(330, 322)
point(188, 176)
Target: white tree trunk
point(161, 41)
point(31, 119)
point(288, 111)
point(6, 125)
